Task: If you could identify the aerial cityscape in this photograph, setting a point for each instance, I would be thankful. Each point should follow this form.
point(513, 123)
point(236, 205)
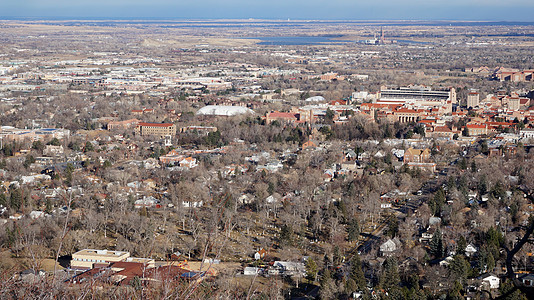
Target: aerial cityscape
point(266, 154)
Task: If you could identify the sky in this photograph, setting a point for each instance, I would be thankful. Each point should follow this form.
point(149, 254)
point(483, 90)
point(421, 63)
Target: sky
point(485, 10)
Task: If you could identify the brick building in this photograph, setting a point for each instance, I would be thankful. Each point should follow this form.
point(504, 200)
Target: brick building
point(157, 129)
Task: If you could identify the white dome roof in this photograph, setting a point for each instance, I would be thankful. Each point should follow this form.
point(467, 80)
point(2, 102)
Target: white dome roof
point(315, 99)
point(223, 110)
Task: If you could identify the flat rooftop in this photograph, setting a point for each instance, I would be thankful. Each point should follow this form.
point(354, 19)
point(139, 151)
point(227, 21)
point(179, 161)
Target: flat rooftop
point(101, 253)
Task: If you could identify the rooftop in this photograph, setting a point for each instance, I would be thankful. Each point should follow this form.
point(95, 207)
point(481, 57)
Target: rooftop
point(101, 253)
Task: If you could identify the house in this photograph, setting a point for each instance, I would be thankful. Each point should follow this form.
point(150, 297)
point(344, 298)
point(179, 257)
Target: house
point(36, 214)
point(390, 246)
point(309, 144)
point(260, 254)
point(148, 202)
point(527, 280)
point(250, 271)
point(419, 159)
point(51, 150)
point(417, 155)
point(446, 261)
point(489, 280)
point(192, 203)
point(427, 234)
point(470, 250)
point(350, 155)
point(150, 163)
point(290, 268)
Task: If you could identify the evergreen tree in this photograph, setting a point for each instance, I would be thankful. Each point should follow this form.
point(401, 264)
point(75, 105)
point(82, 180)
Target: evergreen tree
point(437, 202)
point(28, 161)
point(390, 274)
point(393, 225)
point(311, 270)
point(15, 199)
point(482, 185)
point(490, 262)
point(326, 290)
point(353, 230)
point(213, 138)
point(459, 268)
point(286, 233)
point(436, 244)
point(451, 183)
point(48, 205)
point(11, 236)
point(456, 292)
point(460, 248)
point(329, 116)
point(482, 260)
point(3, 200)
point(54, 142)
point(356, 273)
point(474, 167)
point(38, 145)
point(88, 147)
point(494, 237)
point(498, 191)
point(484, 148)
point(463, 164)
point(507, 287)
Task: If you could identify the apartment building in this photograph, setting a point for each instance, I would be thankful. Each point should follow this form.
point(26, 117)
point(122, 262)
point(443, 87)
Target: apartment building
point(157, 129)
point(473, 99)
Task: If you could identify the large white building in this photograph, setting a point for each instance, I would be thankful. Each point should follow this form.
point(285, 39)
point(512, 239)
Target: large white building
point(417, 95)
point(223, 110)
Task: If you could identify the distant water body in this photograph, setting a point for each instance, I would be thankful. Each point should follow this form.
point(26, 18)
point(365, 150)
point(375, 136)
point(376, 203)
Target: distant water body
point(313, 40)
point(179, 22)
point(300, 40)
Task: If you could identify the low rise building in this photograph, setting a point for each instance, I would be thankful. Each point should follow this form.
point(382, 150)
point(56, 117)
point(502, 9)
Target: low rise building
point(86, 259)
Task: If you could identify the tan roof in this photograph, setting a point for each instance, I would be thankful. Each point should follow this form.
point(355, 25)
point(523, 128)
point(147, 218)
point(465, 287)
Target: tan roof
point(412, 151)
point(104, 254)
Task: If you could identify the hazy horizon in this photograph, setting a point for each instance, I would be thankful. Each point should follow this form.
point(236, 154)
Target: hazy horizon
point(453, 10)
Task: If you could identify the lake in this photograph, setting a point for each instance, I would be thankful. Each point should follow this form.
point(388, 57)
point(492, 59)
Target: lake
point(300, 40)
